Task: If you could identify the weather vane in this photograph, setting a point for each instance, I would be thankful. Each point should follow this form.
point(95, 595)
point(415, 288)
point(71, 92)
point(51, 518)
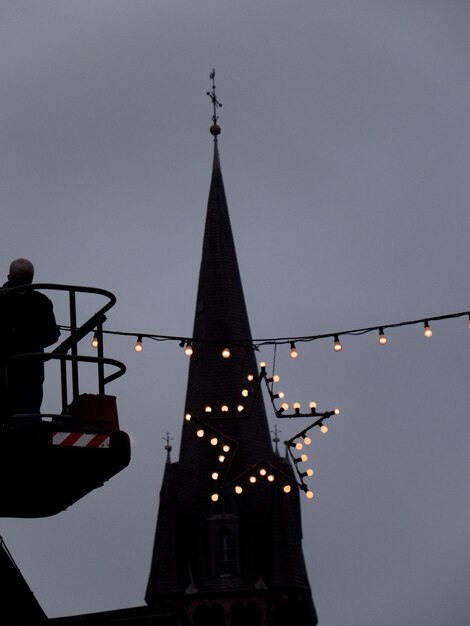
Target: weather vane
point(215, 102)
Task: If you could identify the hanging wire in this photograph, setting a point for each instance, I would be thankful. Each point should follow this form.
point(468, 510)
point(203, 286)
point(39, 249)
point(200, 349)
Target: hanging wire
point(255, 344)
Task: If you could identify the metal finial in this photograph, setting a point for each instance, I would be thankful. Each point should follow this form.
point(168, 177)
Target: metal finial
point(215, 128)
point(276, 439)
point(168, 447)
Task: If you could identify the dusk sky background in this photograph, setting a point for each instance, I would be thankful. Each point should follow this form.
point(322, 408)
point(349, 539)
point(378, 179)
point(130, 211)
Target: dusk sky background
point(345, 155)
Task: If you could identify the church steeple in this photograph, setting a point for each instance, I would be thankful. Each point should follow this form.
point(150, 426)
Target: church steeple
point(245, 550)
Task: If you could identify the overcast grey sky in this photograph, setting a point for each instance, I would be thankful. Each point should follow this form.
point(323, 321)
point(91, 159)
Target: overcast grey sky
point(344, 149)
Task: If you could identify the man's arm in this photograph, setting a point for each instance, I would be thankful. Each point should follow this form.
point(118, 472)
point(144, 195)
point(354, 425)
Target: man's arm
point(47, 329)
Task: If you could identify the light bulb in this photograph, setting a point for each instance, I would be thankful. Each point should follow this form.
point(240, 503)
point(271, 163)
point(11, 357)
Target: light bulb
point(250, 378)
point(293, 351)
point(214, 497)
point(284, 406)
point(240, 408)
point(187, 417)
point(238, 489)
point(252, 479)
point(313, 406)
point(309, 472)
point(214, 441)
point(286, 488)
point(224, 408)
point(299, 446)
point(304, 457)
point(189, 349)
point(296, 406)
point(94, 341)
point(382, 338)
point(226, 353)
point(208, 409)
point(281, 395)
point(337, 344)
point(309, 494)
point(262, 472)
point(271, 478)
point(200, 433)
point(307, 440)
point(276, 378)
point(324, 428)
point(337, 411)
point(138, 344)
point(427, 329)
point(226, 448)
point(245, 393)
point(221, 458)
point(215, 476)
point(263, 365)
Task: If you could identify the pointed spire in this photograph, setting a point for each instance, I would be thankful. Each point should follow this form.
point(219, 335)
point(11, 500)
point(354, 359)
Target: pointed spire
point(221, 317)
point(193, 529)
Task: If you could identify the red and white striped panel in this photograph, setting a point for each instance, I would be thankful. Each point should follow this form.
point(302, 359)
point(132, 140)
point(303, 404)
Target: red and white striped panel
point(80, 440)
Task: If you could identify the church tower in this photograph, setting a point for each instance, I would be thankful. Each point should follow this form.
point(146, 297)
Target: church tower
point(228, 541)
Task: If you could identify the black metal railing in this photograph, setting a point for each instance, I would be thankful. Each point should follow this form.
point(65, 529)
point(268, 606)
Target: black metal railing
point(70, 343)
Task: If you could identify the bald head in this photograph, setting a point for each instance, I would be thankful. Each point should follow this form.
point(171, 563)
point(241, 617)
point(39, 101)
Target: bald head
point(21, 271)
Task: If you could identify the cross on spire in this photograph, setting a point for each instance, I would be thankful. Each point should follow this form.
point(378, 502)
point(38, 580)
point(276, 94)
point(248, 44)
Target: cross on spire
point(215, 128)
point(168, 446)
point(276, 439)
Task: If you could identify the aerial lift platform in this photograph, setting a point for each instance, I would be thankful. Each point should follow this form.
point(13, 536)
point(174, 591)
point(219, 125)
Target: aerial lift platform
point(50, 461)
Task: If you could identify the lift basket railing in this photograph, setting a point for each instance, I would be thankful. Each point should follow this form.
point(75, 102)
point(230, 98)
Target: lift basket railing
point(67, 351)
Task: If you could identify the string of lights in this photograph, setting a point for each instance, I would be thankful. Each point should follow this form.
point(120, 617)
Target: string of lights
point(262, 470)
point(225, 451)
point(188, 343)
point(301, 439)
point(227, 447)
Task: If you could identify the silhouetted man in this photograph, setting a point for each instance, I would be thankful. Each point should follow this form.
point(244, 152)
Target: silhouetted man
point(27, 325)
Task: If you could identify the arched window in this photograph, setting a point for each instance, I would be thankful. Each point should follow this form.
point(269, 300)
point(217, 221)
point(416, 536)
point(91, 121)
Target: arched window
point(209, 615)
point(294, 611)
point(225, 550)
point(284, 613)
point(253, 615)
point(237, 615)
point(245, 615)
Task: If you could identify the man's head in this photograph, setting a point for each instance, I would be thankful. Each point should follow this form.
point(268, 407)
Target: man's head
point(21, 271)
